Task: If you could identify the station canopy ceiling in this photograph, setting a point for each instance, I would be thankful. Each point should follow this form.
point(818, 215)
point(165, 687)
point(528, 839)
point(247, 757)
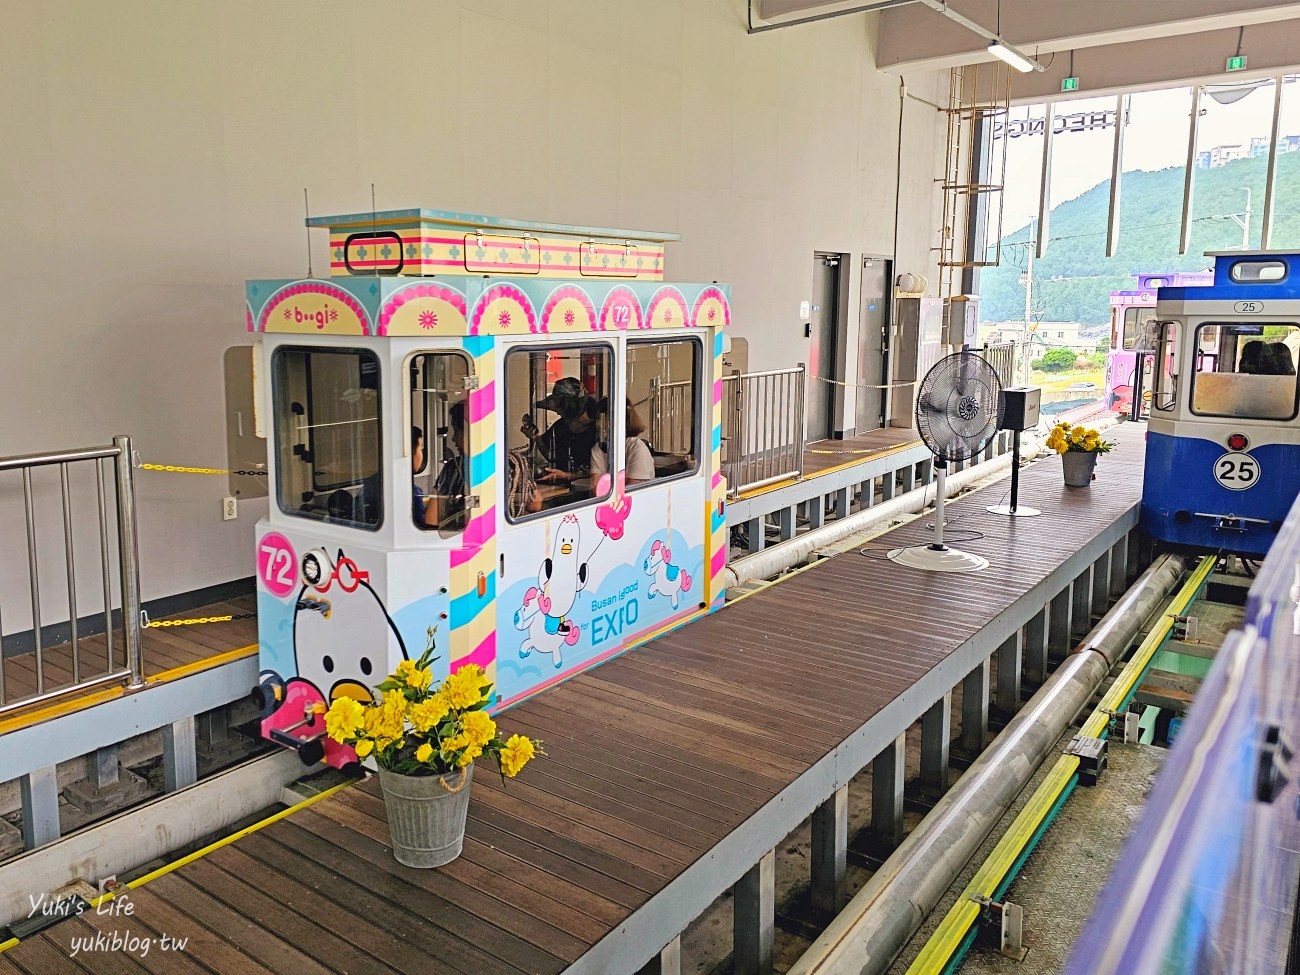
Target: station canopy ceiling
point(1111, 46)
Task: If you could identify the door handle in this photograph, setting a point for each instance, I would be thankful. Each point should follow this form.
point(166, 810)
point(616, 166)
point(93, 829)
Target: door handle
point(807, 330)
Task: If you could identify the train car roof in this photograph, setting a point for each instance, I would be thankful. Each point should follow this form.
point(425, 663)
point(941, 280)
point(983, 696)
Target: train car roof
point(473, 221)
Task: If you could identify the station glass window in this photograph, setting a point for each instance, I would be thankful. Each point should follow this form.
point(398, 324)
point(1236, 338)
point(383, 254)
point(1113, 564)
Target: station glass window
point(662, 414)
point(553, 401)
point(439, 437)
point(1252, 373)
point(326, 408)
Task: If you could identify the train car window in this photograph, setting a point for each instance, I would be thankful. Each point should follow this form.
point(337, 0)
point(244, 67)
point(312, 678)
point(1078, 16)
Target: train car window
point(440, 442)
point(662, 413)
point(1137, 323)
point(1253, 374)
point(1258, 272)
point(1164, 395)
point(553, 402)
point(326, 404)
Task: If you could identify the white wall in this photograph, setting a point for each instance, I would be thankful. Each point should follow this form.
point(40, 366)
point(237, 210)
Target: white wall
point(155, 155)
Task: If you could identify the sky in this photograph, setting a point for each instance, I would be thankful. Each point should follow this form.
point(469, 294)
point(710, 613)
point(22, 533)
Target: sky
point(1155, 138)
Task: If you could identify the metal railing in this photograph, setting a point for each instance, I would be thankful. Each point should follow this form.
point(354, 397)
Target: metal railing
point(672, 417)
point(1208, 880)
point(1002, 357)
point(763, 427)
point(51, 675)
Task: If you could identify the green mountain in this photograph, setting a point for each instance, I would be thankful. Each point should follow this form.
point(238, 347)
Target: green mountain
point(1073, 282)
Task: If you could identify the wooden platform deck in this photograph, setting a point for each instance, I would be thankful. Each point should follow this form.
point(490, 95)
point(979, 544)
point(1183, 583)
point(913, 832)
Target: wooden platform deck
point(669, 772)
point(823, 456)
point(166, 651)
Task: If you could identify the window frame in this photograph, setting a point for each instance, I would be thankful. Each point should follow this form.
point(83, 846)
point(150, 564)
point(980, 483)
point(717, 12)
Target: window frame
point(697, 380)
point(1191, 399)
point(533, 348)
point(1158, 367)
point(277, 419)
point(409, 365)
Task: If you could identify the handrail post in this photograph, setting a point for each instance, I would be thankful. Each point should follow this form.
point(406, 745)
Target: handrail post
point(801, 426)
point(128, 554)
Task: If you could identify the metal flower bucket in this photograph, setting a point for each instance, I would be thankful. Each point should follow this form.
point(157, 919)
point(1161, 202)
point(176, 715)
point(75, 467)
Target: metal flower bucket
point(426, 815)
point(1078, 466)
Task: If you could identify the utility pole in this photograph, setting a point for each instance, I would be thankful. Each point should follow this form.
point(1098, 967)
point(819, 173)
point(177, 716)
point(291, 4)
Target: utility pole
point(1029, 293)
point(1243, 224)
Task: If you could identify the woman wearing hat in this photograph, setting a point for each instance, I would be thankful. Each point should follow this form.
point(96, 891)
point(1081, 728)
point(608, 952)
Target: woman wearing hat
point(567, 443)
point(640, 463)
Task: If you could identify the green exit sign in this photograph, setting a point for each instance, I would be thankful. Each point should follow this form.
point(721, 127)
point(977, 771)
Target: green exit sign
point(1069, 84)
point(1237, 63)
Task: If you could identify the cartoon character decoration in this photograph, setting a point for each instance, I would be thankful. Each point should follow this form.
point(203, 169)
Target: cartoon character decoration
point(666, 579)
point(545, 614)
point(342, 637)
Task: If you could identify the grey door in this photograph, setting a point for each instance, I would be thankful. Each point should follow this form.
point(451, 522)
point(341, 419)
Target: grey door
point(873, 335)
point(822, 329)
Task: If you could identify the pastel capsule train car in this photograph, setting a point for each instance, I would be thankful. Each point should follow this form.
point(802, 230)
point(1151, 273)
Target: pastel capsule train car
point(1131, 315)
point(500, 439)
point(1223, 441)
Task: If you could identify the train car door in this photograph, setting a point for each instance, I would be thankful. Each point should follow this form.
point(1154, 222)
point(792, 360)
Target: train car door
point(603, 500)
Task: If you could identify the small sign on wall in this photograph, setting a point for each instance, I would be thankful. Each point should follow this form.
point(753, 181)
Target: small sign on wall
point(804, 309)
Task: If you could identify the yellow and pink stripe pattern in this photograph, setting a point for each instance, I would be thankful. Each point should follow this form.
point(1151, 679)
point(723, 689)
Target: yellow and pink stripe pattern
point(473, 564)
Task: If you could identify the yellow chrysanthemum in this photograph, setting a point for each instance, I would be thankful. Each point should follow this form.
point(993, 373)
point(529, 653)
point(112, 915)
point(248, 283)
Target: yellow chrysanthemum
point(388, 720)
point(343, 719)
point(424, 752)
point(454, 743)
point(468, 755)
point(412, 676)
point(427, 713)
point(464, 689)
point(479, 728)
point(364, 747)
point(517, 753)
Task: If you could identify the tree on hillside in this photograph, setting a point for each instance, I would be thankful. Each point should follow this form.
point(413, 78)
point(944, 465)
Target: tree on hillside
point(1073, 280)
point(1055, 360)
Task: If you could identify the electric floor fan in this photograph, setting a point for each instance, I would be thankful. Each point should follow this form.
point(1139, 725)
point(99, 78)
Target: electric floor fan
point(956, 416)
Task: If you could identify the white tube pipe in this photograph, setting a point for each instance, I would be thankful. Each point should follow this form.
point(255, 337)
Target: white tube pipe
point(785, 555)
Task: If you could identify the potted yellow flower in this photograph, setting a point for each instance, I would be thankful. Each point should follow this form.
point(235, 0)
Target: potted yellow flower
point(424, 741)
point(1079, 448)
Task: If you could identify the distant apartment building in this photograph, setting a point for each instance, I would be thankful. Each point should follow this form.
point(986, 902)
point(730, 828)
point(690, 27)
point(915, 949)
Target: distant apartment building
point(1040, 336)
point(1222, 155)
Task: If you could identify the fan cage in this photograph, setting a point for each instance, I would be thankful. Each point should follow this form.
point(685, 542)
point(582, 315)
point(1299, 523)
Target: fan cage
point(959, 407)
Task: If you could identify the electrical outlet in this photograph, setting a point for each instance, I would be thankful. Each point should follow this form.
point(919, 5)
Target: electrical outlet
point(229, 509)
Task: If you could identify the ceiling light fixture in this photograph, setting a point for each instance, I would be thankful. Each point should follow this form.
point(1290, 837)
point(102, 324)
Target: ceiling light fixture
point(1004, 52)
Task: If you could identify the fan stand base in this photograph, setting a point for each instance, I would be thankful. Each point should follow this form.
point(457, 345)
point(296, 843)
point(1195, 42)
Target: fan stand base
point(1021, 511)
point(942, 559)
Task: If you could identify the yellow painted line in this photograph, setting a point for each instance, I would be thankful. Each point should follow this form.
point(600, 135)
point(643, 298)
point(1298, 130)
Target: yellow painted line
point(207, 663)
point(952, 931)
point(224, 841)
point(872, 455)
point(947, 938)
point(198, 854)
point(73, 703)
point(1132, 673)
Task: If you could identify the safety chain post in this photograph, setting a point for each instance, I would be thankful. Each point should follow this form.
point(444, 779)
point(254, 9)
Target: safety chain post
point(128, 554)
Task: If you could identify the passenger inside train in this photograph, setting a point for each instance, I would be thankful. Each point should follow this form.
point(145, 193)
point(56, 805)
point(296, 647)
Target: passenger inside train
point(1254, 376)
point(637, 459)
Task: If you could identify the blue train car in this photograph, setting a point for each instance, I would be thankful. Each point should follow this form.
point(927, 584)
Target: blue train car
point(1223, 441)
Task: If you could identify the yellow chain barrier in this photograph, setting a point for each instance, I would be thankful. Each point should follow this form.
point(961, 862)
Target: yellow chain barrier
point(174, 469)
point(148, 623)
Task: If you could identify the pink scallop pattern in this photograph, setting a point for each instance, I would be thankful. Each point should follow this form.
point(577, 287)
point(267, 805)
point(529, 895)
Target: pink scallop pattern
point(248, 317)
point(313, 287)
point(667, 294)
point(568, 291)
point(502, 291)
point(398, 298)
point(705, 295)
